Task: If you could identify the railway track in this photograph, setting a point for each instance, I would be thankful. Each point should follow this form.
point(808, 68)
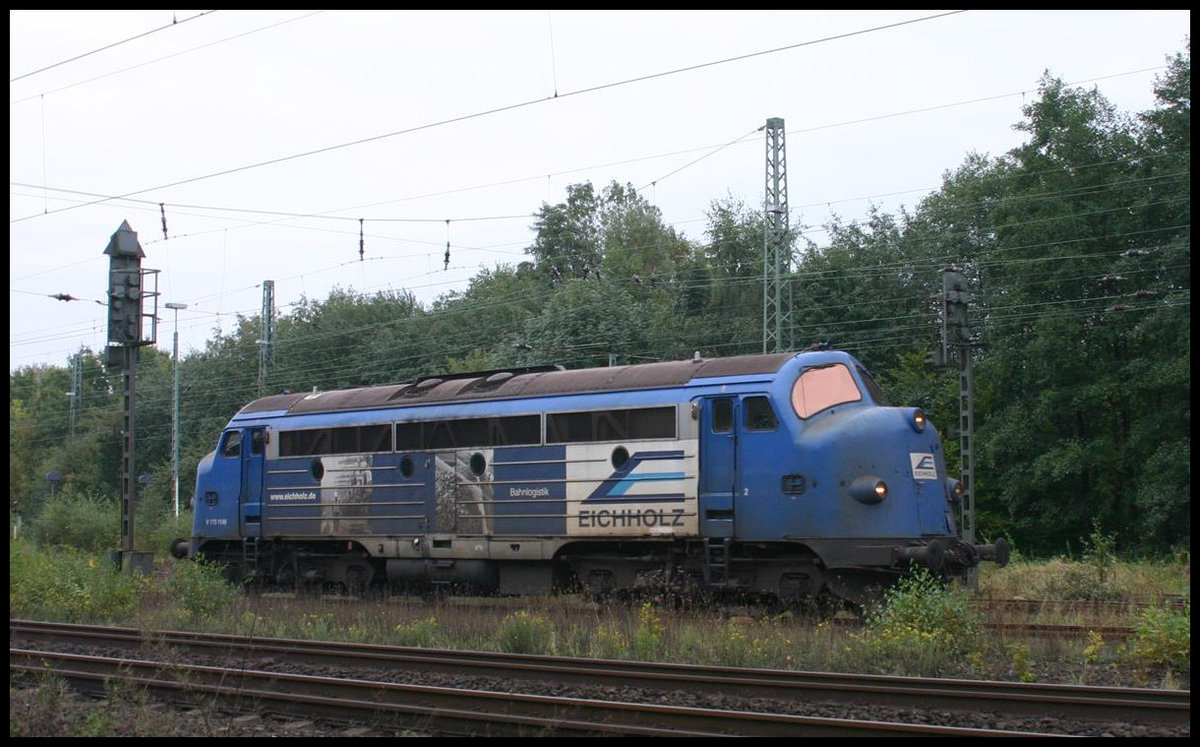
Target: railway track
point(1042, 630)
point(1068, 618)
point(1036, 630)
point(231, 654)
point(1090, 607)
point(446, 711)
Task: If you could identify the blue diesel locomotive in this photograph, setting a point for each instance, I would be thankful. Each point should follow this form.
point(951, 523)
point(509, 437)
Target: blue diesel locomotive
point(785, 476)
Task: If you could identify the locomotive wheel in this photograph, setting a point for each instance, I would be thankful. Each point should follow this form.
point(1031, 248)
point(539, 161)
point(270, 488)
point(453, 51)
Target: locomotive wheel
point(232, 573)
point(358, 580)
point(823, 606)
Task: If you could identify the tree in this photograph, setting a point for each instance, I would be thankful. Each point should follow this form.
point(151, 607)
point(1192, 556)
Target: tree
point(348, 339)
point(638, 247)
point(479, 328)
point(583, 324)
point(1081, 387)
point(569, 241)
point(873, 290)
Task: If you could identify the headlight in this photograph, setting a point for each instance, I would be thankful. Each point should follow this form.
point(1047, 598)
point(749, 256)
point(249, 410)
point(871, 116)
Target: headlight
point(868, 489)
point(918, 420)
point(956, 489)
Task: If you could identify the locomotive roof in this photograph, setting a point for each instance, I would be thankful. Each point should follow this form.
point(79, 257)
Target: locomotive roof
point(520, 383)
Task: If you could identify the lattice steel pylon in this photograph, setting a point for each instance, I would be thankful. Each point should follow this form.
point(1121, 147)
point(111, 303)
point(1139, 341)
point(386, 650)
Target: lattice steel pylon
point(776, 254)
point(76, 388)
point(956, 343)
point(266, 342)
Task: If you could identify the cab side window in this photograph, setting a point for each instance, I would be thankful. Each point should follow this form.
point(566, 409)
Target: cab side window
point(232, 446)
point(759, 415)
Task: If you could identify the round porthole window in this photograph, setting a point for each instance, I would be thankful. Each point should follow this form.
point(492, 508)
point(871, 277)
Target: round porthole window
point(318, 470)
point(406, 466)
point(478, 464)
point(620, 455)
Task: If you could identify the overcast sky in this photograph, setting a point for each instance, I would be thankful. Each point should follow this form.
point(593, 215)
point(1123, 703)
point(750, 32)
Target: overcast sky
point(266, 136)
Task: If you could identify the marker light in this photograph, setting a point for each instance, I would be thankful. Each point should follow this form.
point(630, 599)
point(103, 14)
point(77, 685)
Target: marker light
point(918, 420)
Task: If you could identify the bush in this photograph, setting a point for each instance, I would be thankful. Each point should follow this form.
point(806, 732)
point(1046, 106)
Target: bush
point(1163, 637)
point(1066, 580)
point(156, 529)
point(92, 522)
point(921, 626)
point(1058, 578)
point(69, 585)
point(86, 521)
point(199, 588)
point(922, 603)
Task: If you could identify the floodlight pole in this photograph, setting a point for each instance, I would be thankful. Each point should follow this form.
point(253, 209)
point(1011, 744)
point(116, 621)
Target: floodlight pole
point(175, 406)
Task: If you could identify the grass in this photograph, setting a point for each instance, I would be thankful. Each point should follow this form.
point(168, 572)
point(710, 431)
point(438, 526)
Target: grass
point(924, 628)
point(1152, 582)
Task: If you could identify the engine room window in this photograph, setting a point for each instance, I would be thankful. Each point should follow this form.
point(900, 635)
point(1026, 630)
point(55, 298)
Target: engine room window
point(517, 430)
point(305, 443)
point(820, 388)
point(362, 439)
point(610, 425)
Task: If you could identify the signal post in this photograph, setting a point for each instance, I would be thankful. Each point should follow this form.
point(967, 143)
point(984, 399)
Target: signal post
point(126, 295)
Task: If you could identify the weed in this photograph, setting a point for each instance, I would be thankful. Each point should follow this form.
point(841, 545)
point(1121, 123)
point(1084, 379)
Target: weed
point(648, 638)
point(1018, 654)
point(1100, 553)
point(739, 649)
point(422, 632)
point(1095, 645)
point(99, 723)
point(525, 633)
point(37, 709)
point(610, 644)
